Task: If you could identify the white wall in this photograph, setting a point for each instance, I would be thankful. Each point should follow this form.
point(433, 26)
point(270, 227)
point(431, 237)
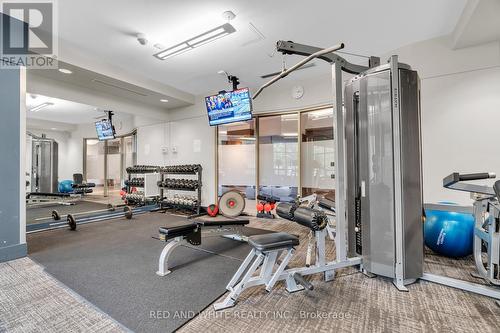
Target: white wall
point(185, 139)
point(460, 95)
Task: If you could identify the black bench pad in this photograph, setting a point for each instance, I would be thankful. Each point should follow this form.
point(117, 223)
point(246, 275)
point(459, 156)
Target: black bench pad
point(273, 241)
point(212, 223)
point(176, 230)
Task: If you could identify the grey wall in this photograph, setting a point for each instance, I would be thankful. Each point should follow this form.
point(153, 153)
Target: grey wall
point(12, 129)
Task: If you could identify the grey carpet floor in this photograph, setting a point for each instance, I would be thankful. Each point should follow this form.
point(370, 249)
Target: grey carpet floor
point(112, 264)
point(355, 303)
point(33, 301)
point(34, 213)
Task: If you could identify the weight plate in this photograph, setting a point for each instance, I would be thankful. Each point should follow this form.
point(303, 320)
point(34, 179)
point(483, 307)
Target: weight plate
point(55, 215)
point(231, 204)
point(128, 212)
point(71, 222)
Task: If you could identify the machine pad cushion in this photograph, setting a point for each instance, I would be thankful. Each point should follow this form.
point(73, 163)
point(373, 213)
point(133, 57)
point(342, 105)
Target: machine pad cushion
point(273, 241)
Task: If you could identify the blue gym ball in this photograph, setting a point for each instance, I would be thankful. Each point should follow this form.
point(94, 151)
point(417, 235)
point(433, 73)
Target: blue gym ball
point(450, 234)
point(65, 186)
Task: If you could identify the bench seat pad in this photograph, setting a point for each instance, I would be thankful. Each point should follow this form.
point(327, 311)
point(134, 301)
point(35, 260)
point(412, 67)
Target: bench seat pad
point(273, 241)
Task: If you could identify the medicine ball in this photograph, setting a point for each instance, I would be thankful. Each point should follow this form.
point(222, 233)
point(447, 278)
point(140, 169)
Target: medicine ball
point(260, 207)
point(65, 186)
point(213, 210)
point(449, 233)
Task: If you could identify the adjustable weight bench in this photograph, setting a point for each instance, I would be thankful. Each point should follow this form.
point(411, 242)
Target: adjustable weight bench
point(266, 249)
point(190, 232)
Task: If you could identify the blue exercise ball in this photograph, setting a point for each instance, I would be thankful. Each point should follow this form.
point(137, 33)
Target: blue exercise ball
point(65, 186)
point(449, 233)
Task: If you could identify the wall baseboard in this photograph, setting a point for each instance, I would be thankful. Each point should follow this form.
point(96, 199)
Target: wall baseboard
point(13, 252)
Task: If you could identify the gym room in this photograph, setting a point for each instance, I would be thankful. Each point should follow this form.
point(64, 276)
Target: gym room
point(249, 166)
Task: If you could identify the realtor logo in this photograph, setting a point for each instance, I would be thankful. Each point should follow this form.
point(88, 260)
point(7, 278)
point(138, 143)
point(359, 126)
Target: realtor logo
point(27, 33)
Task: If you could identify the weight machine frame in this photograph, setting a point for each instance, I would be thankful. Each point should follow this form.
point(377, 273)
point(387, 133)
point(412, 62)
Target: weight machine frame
point(339, 65)
point(484, 201)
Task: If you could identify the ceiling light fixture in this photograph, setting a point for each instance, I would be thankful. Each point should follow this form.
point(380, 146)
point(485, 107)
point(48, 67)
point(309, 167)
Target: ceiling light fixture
point(41, 106)
point(164, 100)
point(204, 38)
point(65, 71)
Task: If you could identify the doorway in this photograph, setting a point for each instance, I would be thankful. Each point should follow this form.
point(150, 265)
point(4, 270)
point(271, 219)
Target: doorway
point(105, 164)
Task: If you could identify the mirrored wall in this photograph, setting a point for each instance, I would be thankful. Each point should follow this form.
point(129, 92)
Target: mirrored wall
point(105, 163)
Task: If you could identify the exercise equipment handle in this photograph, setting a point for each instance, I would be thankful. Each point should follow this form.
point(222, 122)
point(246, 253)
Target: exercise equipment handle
point(303, 282)
point(455, 181)
point(476, 176)
point(298, 65)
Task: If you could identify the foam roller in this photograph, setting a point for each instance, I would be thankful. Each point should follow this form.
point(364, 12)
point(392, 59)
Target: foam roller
point(285, 210)
point(313, 219)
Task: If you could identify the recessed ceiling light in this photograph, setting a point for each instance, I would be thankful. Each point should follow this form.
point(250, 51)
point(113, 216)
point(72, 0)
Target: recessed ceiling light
point(164, 100)
point(65, 71)
point(54, 129)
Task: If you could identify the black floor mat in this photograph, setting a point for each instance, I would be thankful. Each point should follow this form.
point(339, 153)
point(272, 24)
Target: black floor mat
point(112, 264)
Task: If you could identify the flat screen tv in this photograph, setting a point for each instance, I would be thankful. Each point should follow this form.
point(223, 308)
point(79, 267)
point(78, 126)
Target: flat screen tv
point(105, 130)
point(229, 107)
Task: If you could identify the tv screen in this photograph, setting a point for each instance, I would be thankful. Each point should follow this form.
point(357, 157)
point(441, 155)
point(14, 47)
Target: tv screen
point(105, 130)
point(229, 107)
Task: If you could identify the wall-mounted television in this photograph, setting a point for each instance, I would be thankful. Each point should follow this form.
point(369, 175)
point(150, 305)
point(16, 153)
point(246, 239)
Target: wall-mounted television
point(105, 129)
point(229, 107)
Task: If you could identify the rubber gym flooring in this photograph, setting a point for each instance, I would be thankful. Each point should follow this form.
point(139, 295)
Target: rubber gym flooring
point(112, 265)
point(36, 214)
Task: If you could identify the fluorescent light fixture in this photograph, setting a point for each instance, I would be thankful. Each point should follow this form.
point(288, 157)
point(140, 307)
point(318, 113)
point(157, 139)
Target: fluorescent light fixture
point(289, 134)
point(164, 100)
point(65, 71)
point(206, 37)
point(223, 132)
point(41, 106)
point(247, 139)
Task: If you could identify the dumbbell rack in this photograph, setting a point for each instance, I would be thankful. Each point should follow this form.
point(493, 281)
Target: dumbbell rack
point(177, 170)
point(140, 170)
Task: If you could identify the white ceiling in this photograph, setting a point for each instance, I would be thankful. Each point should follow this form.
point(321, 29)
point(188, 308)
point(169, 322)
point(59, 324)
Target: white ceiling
point(62, 111)
point(105, 32)
point(479, 24)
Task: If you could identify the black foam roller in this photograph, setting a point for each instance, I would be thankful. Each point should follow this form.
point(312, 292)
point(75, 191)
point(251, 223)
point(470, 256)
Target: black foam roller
point(285, 210)
point(310, 218)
